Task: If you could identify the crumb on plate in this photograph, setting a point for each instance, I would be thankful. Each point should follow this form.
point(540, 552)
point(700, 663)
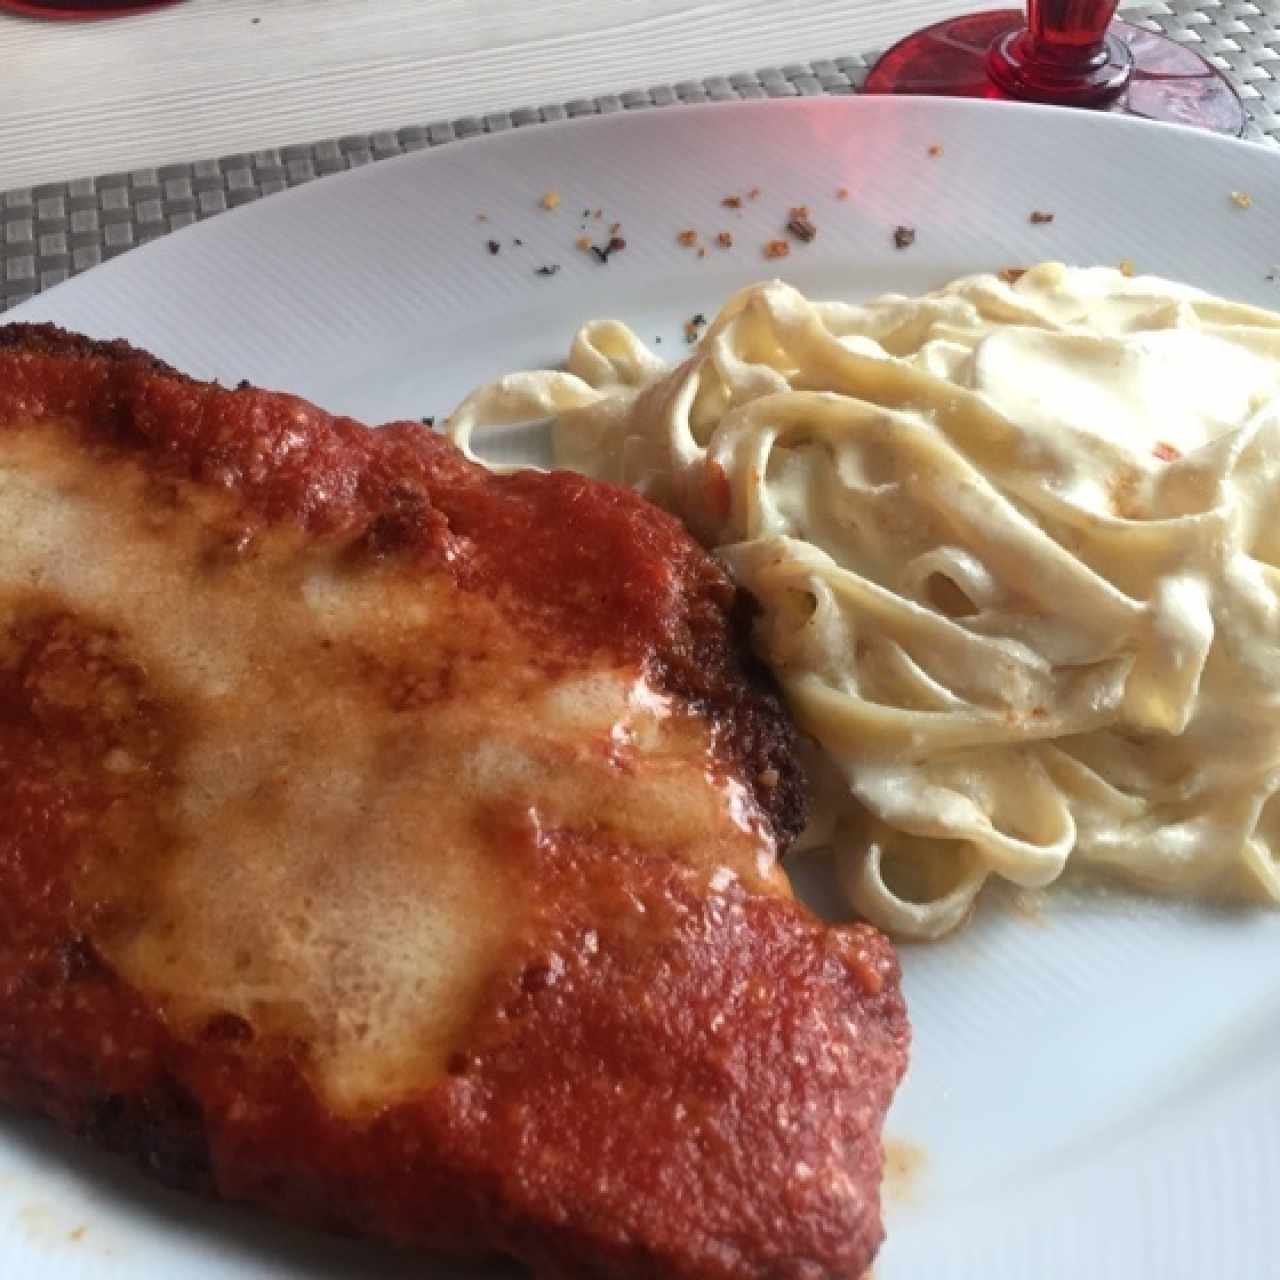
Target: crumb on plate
point(800, 225)
point(603, 252)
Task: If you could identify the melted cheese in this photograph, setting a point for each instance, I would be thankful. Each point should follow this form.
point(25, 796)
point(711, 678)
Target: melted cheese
point(330, 852)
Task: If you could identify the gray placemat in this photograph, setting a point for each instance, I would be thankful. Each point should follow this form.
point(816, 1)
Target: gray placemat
point(56, 230)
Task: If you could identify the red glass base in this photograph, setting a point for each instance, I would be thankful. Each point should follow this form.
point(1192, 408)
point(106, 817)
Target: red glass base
point(1170, 82)
point(79, 10)
point(1012, 65)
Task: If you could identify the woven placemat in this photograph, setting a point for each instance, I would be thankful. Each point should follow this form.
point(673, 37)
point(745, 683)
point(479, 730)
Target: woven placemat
point(54, 231)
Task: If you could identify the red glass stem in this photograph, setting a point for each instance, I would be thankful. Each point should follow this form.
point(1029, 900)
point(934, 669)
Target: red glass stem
point(1068, 32)
point(1064, 54)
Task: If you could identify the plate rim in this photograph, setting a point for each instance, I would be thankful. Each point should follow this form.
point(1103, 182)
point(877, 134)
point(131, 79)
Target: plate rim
point(1107, 122)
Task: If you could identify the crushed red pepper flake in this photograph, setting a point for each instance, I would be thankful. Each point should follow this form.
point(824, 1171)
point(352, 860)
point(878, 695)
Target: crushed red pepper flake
point(935, 150)
point(842, 193)
point(724, 240)
point(776, 249)
point(718, 493)
point(732, 202)
point(688, 237)
point(1166, 452)
point(904, 237)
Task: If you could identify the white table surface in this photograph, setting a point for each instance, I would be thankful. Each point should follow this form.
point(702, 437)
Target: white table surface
point(208, 77)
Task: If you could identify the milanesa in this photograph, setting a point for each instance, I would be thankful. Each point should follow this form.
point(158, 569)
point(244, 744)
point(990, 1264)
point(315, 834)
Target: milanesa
point(394, 846)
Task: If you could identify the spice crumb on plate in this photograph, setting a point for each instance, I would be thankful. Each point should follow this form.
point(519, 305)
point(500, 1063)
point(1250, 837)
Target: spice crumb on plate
point(800, 225)
point(603, 252)
point(493, 246)
point(776, 249)
point(935, 150)
point(842, 193)
point(1126, 268)
point(1039, 217)
point(904, 237)
point(550, 200)
point(732, 202)
point(1241, 199)
point(724, 240)
point(688, 237)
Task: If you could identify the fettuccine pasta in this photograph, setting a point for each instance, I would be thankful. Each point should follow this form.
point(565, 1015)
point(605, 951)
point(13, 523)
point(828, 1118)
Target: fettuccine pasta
point(1013, 548)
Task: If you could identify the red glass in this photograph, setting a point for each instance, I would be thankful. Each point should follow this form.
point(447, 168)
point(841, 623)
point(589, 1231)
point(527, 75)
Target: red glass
point(1065, 52)
point(70, 10)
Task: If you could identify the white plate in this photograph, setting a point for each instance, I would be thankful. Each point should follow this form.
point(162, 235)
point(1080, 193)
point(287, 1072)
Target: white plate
point(1094, 1094)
